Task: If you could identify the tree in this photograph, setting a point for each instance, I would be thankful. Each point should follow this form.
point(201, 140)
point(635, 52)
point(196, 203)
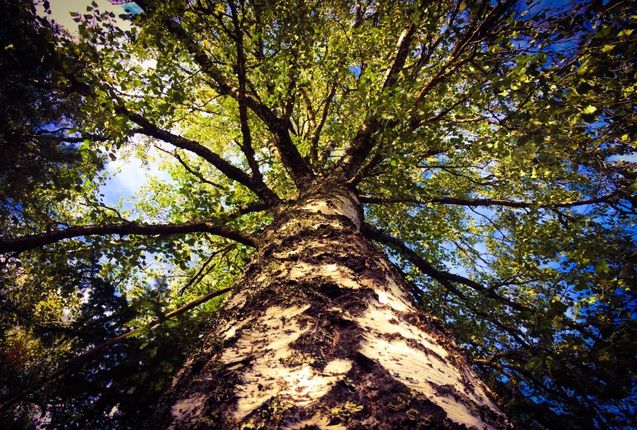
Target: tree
point(403, 203)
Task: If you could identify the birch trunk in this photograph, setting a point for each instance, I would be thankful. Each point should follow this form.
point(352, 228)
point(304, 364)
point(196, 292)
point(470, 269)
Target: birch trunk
point(323, 334)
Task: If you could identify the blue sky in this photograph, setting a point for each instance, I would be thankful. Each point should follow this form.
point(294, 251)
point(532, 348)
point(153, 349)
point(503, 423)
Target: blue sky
point(126, 178)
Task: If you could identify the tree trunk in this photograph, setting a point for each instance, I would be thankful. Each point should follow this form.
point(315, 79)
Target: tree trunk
point(323, 334)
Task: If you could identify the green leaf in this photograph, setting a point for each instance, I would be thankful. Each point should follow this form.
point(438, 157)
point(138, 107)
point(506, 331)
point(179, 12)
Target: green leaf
point(589, 109)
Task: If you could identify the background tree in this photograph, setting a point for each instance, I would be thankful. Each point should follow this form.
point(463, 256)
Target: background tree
point(487, 147)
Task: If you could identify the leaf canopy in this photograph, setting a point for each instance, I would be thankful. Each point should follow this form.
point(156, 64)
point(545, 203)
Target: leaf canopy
point(492, 144)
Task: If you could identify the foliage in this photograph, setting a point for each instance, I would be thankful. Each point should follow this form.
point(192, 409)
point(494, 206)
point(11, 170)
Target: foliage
point(492, 145)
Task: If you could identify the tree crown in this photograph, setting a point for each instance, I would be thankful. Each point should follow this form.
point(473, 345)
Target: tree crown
point(491, 145)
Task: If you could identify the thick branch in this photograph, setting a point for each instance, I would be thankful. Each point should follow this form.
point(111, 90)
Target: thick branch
point(246, 209)
point(485, 202)
point(246, 145)
point(445, 278)
point(363, 142)
point(69, 139)
point(232, 172)
point(35, 241)
point(361, 146)
point(402, 50)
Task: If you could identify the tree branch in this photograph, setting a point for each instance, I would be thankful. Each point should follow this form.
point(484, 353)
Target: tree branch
point(232, 172)
point(485, 202)
point(202, 272)
point(363, 142)
point(361, 146)
point(132, 228)
point(472, 34)
point(402, 50)
point(319, 128)
point(69, 139)
point(289, 154)
point(189, 169)
point(246, 144)
point(445, 278)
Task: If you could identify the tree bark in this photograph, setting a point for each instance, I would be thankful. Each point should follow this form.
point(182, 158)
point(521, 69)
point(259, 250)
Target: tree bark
point(324, 335)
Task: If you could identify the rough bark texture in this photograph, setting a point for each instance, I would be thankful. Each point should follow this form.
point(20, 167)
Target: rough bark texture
point(323, 334)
